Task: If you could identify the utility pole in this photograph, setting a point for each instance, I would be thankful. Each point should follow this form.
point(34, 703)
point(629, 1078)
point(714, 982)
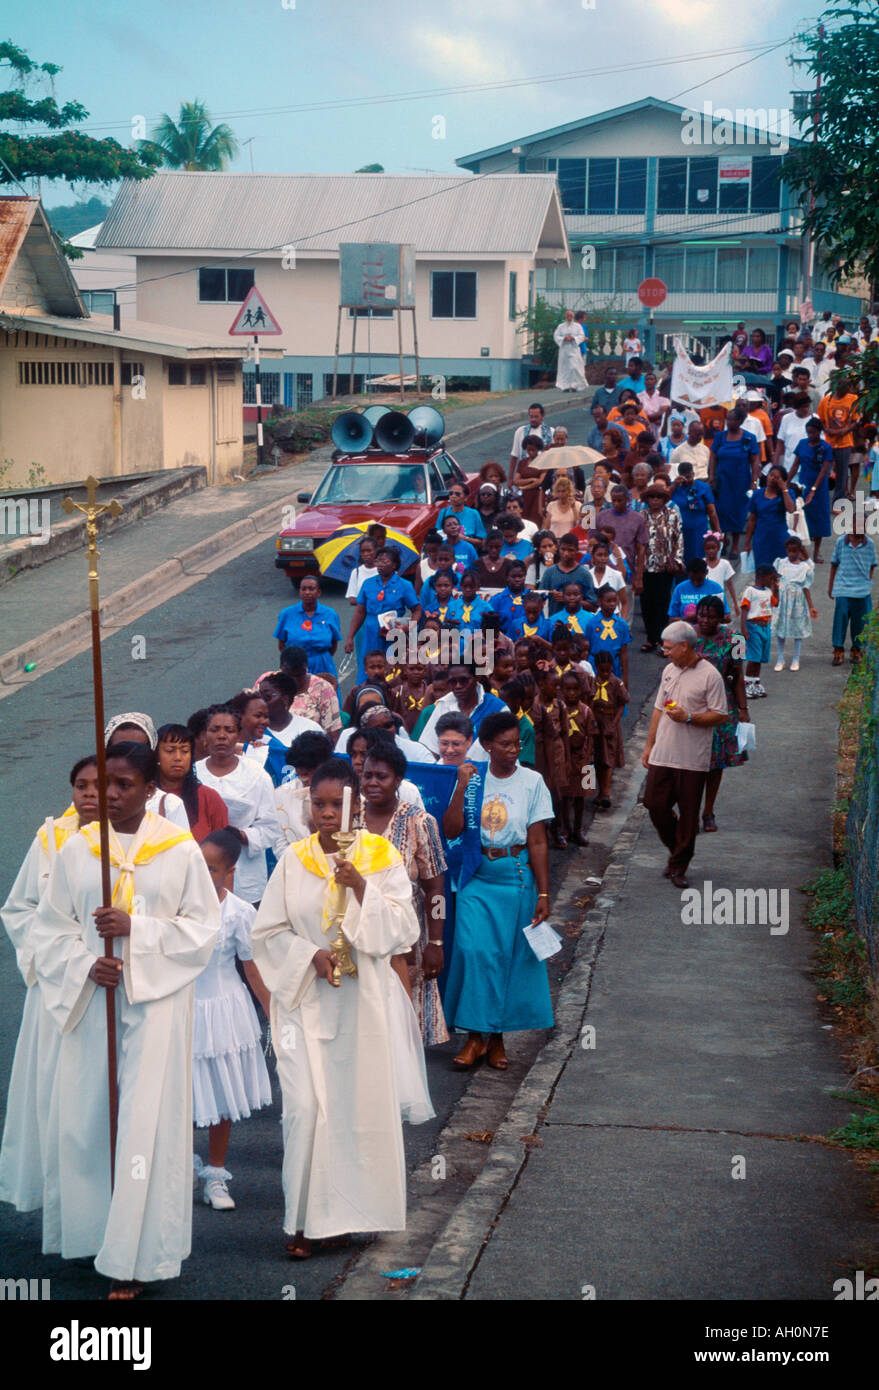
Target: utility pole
point(816, 122)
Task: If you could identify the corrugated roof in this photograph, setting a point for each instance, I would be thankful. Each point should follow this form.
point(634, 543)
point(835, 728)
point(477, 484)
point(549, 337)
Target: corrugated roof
point(22, 220)
point(503, 214)
point(135, 335)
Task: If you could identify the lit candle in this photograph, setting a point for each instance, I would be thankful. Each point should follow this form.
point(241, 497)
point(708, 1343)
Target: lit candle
point(346, 809)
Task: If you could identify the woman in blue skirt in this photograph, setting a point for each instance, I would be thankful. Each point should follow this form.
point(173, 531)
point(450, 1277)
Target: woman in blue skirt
point(496, 984)
point(733, 468)
point(312, 625)
point(813, 461)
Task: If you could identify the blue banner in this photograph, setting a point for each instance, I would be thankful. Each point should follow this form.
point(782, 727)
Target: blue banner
point(436, 782)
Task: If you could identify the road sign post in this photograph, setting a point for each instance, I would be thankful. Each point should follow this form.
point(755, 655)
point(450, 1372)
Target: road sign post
point(255, 317)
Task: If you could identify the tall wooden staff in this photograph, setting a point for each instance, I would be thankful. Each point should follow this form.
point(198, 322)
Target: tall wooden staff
point(91, 511)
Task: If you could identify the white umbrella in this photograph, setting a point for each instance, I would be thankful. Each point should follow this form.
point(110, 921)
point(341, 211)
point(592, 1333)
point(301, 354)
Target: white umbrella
point(568, 456)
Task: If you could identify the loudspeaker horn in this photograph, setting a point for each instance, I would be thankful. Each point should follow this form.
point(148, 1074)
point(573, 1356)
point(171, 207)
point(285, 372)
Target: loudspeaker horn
point(373, 413)
point(429, 424)
point(351, 432)
point(394, 432)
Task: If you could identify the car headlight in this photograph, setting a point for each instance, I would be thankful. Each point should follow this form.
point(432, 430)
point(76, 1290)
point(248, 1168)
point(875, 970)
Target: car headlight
point(296, 543)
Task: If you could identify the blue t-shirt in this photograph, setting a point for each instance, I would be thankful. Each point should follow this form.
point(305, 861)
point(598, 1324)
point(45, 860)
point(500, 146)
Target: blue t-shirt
point(636, 384)
point(852, 578)
point(316, 632)
point(471, 521)
point(522, 550)
point(686, 595)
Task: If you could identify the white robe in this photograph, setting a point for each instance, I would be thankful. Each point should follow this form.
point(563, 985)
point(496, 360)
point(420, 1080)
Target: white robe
point(22, 1155)
point(143, 1231)
point(571, 373)
point(344, 1162)
point(250, 801)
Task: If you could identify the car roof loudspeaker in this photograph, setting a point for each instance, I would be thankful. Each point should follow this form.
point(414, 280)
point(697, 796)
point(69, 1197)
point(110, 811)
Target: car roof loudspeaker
point(429, 424)
point(394, 432)
point(351, 432)
point(373, 413)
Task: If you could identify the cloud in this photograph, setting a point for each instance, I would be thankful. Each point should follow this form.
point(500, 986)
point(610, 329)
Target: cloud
point(461, 58)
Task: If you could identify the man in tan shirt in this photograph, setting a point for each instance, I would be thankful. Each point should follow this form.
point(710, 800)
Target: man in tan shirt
point(690, 702)
point(694, 451)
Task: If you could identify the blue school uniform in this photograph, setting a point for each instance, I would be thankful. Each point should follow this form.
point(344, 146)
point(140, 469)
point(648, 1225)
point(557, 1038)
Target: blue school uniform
point(472, 613)
point(382, 596)
point(507, 606)
point(520, 627)
point(427, 597)
point(608, 635)
point(316, 632)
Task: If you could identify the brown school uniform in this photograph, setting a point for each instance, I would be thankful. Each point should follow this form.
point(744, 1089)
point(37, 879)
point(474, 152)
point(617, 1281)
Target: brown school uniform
point(582, 733)
point(610, 695)
point(551, 744)
point(409, 705)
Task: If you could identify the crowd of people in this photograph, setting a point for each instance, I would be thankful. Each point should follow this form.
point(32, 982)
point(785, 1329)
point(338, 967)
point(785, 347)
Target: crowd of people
point(360, 871)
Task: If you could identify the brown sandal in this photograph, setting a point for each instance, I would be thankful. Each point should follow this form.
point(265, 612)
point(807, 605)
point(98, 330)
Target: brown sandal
point(125, 1289)
point(299, 1247)
point(473, 1051)
point(497, 1057)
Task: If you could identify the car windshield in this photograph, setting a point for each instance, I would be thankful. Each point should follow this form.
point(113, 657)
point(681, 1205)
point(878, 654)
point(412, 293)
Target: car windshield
point(374, 482)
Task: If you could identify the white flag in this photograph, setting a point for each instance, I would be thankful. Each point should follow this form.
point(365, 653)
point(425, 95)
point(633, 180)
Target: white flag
point(698, 386)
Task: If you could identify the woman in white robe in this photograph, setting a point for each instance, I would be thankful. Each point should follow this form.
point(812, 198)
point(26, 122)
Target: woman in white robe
point(22, 1154)
point(344, 1163)
point(167, 914)
point(571, 373)
point(249, 796)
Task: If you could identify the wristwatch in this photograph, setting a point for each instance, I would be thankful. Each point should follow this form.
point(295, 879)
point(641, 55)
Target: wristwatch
point(689, 719)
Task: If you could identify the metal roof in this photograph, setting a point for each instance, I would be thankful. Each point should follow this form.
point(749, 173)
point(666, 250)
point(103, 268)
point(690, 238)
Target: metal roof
point(503, 214)
point(135, 335)
point(23, 224)
point(600, 118)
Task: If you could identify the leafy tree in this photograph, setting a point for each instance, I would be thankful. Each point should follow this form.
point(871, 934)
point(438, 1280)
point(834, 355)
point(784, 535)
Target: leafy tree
point(63, 153)
point(539, 323)
point(67, 220)
point(841, 166)
point(371, 169)
point(860, 374)
point(191, 142)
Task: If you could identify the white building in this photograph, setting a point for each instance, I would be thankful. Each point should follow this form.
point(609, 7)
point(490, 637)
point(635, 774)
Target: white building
point(104, 280)
point(201, 241)
point(697, 203)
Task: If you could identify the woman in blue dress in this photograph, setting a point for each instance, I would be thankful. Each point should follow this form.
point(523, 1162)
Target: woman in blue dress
point(767, 531)
point(312, 625)
point(385, 593)
point(813, 461)
point(695, 502)
point(733, 468)
point(495, 983)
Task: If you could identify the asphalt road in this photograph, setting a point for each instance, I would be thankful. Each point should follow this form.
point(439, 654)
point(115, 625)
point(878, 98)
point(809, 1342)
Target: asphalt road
point(199, 647)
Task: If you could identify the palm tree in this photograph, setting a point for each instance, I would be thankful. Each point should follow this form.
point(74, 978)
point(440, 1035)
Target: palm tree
point(191, 142)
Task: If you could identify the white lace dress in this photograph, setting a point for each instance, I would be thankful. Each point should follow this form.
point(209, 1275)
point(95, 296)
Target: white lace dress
point(229, 1075)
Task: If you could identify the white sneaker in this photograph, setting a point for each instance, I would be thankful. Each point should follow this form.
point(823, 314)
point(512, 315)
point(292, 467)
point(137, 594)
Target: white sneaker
point(759, 692)
point(216, 1193)
point(779, 666)
point(795, 666)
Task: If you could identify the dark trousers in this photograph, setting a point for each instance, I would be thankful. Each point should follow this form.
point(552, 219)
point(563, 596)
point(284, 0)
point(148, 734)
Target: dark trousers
point(840, 467)
point(665, 788)
point(850, 610)
point(655, 598)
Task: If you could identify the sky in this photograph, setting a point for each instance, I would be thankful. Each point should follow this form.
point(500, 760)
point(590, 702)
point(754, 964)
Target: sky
point(125, 60)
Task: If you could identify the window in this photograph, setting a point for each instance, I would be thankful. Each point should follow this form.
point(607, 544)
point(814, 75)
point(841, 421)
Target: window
point(453, 294)
point(304, 389)
point(65, 373)
point(176, 374)
point(270, 387)
point(218, 285)
point(702, 186)
point(629, 268)
point(671, 186)
point(632, 194)
point(129, 370)
point(732, 194)
point(436, 479)
point(572, 185)
point(700, 270)
point(449, 472)
point(602, 185)
point(370, 313)
point(343, 379)
point(198, 374)
point(765, 183)
point(512, 305)
point(99, 301)
point(732, 265)
point(668, 266)
point(763, 268)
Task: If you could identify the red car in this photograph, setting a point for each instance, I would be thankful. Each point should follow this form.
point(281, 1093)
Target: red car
point(405, 491)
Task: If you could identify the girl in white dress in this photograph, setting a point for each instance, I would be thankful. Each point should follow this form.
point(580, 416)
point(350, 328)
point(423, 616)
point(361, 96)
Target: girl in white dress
point(249, 796)
point(719, 568)
point(229, 1075)
point(795, 611)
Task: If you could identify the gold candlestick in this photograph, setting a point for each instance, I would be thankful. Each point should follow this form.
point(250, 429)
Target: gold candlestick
point(340, 946)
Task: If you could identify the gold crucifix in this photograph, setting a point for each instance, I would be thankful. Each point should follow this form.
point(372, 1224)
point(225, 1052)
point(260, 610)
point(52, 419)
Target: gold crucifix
point(91, 511)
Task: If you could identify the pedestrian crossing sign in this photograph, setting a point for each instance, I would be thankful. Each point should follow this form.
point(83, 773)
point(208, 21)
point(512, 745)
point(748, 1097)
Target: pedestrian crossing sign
point(254, 316)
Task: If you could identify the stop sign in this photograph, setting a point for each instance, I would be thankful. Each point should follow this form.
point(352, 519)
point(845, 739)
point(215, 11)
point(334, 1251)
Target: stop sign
point(652, 292)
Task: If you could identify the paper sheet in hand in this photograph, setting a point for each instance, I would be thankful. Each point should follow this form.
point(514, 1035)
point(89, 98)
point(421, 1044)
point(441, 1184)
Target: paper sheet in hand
point(386, 620)
point(543, 941)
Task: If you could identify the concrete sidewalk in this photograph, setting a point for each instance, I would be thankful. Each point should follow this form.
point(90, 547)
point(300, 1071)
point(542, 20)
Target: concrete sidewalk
point(674, 1154)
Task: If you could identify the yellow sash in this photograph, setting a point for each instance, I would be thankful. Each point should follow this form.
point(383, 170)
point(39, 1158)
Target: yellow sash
point(527, 630)
point(574, 623)
point(151, 839)
point(573, 726)
point(601, 690)
point(368, 853)
point(465, 613)
point(608, 631)
point(63, 827)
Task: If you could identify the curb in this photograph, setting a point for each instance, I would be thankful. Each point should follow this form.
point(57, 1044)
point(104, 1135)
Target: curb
point(456, 1252)
point(117, 608)
point(139, 501)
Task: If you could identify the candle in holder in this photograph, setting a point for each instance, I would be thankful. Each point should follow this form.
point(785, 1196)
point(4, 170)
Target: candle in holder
point(346, 810)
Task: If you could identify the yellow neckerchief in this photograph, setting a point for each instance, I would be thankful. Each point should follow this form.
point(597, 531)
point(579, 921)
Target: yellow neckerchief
point(574, 623)
point(442, 613)
point(414, 702)
point(608, 631)
point(63, 827)
point(517, 599)
point(602, 689)
point(393, 674)
point(528, 630)
point(368, 853)
point(466, 611)
point(573, 726)
point(151, 839)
